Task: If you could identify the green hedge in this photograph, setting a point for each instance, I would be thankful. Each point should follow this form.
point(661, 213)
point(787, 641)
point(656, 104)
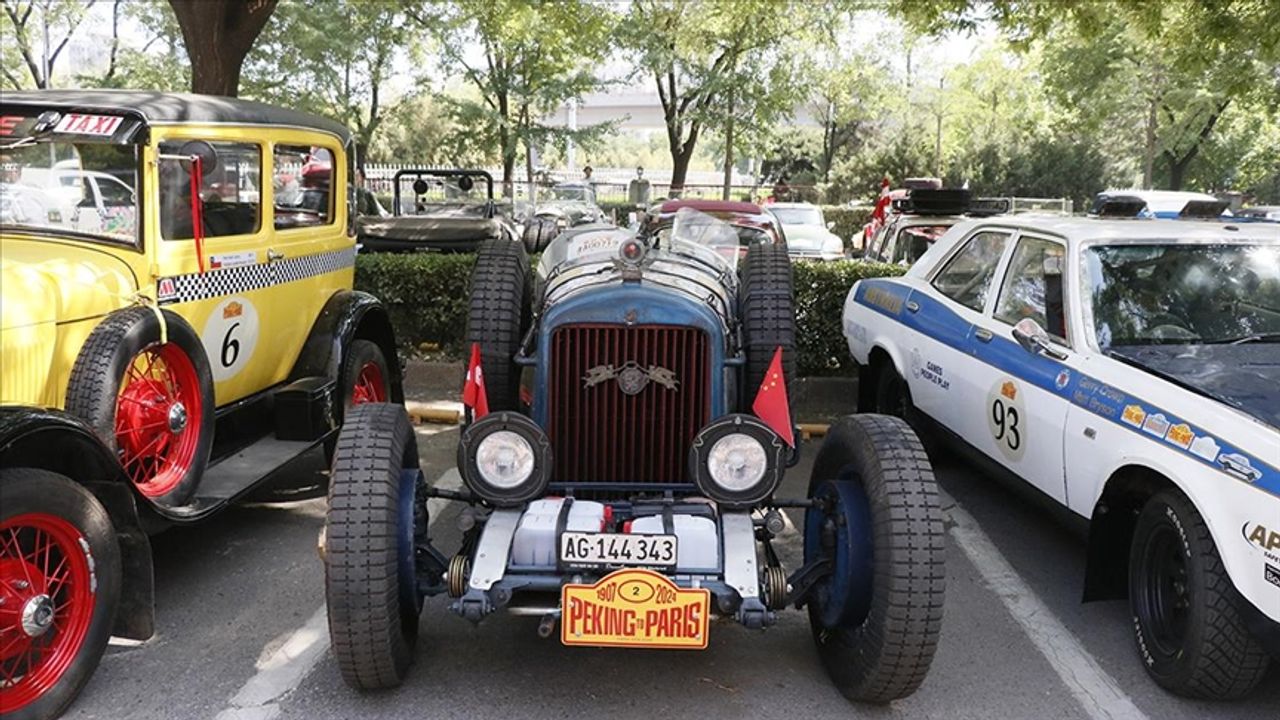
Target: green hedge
point(426, 297)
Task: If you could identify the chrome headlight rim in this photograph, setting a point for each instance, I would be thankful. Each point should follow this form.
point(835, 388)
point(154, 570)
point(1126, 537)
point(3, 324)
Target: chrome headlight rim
point(751, 426)
point(469, 445)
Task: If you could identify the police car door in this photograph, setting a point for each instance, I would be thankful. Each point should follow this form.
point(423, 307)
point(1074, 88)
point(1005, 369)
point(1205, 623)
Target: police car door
point(1020, 407)
point(939, 359)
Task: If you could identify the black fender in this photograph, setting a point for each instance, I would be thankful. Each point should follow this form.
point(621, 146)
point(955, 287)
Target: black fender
point(348, 315)
point(59, 442)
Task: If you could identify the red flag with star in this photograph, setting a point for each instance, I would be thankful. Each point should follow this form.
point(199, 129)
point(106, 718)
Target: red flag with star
point(771, 404)
point(474, 395)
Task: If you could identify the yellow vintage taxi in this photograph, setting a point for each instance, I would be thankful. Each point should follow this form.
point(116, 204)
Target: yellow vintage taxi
point(178, 328)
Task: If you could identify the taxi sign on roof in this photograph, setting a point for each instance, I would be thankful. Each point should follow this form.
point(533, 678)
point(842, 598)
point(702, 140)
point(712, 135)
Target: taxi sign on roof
point(96, 125)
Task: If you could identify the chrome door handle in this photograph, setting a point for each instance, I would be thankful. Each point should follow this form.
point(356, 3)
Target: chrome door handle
point(913, 306)
point(983, 335)
point(273, 256)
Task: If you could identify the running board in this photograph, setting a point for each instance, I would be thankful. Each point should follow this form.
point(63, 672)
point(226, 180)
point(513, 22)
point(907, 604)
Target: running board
point(238, 473)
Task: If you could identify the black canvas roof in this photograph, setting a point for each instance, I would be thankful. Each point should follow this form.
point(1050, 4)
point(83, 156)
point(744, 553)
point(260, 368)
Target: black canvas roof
point(166, 108)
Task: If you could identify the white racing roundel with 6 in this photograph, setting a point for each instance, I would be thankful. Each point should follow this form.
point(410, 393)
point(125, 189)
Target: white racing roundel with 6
point(229, 337)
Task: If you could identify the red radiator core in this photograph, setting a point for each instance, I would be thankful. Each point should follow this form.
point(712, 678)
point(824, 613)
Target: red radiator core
point(603, 434)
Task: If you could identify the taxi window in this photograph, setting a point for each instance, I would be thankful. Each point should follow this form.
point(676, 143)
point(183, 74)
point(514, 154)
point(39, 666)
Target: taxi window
point(966, 278)
point(1033, 287)
point(301, 178)
point(231, 204)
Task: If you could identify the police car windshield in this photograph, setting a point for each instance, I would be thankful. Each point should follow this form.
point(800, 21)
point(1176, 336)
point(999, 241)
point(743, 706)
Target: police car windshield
point(1162, 294)
point(78, 187)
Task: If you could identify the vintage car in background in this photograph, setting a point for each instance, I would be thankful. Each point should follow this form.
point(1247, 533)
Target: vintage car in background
point(155, 368)
point(809, 235)
point(754, 224)
point(440, 211)
point(569, 204)
point(1128, 371)
point(623, 457)
point(922, 216)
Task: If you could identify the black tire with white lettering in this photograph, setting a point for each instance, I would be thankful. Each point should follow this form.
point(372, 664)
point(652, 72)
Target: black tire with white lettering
point(1188, 617)
point(877, 616)
point(371, 595)
point(497, 317)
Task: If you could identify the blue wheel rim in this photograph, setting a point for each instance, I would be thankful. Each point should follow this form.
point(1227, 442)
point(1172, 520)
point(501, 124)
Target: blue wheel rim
point(843, 598)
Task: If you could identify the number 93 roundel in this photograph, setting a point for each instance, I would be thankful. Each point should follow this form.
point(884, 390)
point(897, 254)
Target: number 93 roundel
point(1007, 417)
point(229, 336)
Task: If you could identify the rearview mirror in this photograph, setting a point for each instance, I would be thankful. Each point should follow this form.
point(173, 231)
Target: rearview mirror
point(1035, 339)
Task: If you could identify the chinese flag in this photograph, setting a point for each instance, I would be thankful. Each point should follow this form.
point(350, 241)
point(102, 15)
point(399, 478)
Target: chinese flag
point(473, 392)
point(771, 404)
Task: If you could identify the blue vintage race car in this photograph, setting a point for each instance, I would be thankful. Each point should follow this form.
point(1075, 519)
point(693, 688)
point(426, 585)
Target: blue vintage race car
point(1129, 371)
point(623, 461)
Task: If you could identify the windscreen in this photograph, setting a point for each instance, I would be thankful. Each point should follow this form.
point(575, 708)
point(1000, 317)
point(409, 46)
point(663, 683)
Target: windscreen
point(1160, 294)
point(83, 187)
point(700, 235)
point(798, 216)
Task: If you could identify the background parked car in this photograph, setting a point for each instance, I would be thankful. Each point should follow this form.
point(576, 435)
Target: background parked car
point(809, 235)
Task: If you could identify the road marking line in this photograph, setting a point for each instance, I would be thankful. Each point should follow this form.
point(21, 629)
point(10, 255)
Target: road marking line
point(292, 662)
point(1096, 691)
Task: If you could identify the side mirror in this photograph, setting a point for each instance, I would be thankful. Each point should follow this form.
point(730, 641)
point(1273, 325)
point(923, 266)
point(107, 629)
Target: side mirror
point(831, 224)
point(1035, 339)
point(203, 150)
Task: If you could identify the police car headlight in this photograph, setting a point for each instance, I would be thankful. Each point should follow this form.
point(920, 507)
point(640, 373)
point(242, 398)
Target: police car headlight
point(737, 460)
point(505, 458)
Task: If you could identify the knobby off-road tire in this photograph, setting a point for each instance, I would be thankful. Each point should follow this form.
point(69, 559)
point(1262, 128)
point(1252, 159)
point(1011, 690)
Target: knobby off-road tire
point(373, 625)
point(1204, 649)
point(766, 306)
point(883, 651)
point(498, 316)
point(82, 578)
point(100, 373)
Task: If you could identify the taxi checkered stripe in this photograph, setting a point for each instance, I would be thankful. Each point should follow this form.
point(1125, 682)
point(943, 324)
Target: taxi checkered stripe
point(244, 278)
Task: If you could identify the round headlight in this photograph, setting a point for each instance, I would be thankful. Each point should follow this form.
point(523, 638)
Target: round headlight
point(505, 458)
point(737, 462)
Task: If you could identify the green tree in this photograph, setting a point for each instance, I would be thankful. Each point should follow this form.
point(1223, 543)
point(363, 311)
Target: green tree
point(719, 65)
point(536, 56)
point(331, 57)
point(25, 61)
point(159, 64)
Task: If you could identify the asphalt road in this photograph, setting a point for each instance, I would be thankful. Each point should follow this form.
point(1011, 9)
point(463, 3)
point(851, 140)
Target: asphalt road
point(242, 637)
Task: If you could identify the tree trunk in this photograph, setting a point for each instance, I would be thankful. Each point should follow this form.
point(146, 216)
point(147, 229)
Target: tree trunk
point(728, 147)
point(218, 35)
point(1149, 148)
point(680, 162)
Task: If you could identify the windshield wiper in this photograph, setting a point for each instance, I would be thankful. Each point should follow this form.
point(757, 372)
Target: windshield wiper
point(1246, 339)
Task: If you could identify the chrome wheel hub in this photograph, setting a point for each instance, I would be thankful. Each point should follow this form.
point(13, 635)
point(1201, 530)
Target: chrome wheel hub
point(37, 615)
point(177, 418)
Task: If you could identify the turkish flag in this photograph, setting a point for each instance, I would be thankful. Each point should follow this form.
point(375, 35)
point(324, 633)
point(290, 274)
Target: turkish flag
point(771, 404)
point(474, 395)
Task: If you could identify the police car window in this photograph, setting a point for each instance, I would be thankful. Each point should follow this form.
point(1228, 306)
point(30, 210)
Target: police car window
point(301, 178)
point(229, 194)
point(1033, 287)
point(967, 276)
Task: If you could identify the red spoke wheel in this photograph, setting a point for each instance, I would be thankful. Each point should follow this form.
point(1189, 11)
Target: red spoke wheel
point(365, 375)
point(149, 396)
point(154, 434)
point(59, 585)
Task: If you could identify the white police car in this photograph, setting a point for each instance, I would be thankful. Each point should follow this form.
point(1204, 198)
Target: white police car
point(1130, 370)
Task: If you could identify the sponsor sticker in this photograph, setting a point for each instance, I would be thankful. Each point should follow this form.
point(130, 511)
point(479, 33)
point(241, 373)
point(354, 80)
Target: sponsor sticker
point(1180, 435)
point(1063, 378)
point(634, 607)
point(1156, 424)
point(226, 260)
point(1007, 418)
point(1271, 574)
point(1205, 447)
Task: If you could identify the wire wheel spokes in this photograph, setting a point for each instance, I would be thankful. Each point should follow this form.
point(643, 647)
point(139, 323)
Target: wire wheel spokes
point(370, 385)
point(157, 418)
point(47, 594)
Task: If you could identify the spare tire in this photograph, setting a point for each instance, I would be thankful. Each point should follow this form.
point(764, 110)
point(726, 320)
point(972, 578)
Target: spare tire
point(766, 308)
point(498, 316)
